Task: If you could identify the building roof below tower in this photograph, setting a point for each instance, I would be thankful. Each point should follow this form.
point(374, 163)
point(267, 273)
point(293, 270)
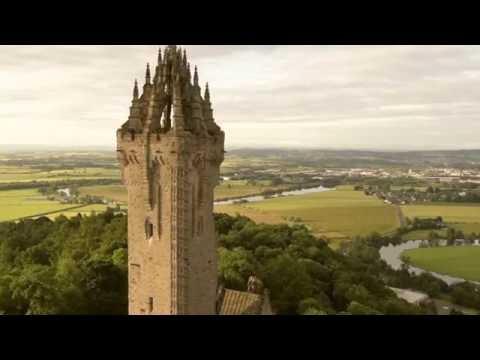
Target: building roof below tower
point(244, 303)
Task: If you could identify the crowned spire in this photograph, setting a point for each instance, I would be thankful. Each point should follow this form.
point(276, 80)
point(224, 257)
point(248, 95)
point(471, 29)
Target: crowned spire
point(172, 96)
point(195, 77)
point(177, 105)
point(207, 93)
point(189, 73)
point(147, 75)
point(135, 90)
point(159, 56)
point(184, 57)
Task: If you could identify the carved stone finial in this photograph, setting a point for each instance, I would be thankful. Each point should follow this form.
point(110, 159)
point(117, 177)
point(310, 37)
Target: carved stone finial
point(195, 77)
point(135, 90)
point(207, 93)
point(147, 75)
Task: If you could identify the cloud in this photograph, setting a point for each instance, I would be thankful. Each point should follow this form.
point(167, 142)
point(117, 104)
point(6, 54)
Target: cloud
point(399, 97)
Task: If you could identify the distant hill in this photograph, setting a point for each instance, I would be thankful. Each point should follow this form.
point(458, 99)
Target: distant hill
point(361, 158)
point(305, 157)
point(51, 148)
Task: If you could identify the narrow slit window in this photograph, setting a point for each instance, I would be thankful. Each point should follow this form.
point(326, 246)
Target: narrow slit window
point(150, 304)
point(148, 229)
point(200, 226)
point(200, 192)
point(159, 205)
point(193, 211)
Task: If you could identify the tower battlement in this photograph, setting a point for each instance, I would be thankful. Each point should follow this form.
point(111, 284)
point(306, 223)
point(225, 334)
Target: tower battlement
point(170, 150)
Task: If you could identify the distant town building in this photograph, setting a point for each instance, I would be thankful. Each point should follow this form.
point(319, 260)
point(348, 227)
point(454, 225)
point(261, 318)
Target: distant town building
point(64, 192)
point(459, 242)
point(442, 242)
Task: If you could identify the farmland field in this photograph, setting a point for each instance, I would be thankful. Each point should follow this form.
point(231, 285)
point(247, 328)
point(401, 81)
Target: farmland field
point(459, 261)
point(238, 188)
point(423, 234)
point(467, 228)
point(464, 217)
point(111, 192)
point(24, 174)
point(227, 189)
point(452, 213)
point(16, 204)
point(339, 214)
point(84, 211)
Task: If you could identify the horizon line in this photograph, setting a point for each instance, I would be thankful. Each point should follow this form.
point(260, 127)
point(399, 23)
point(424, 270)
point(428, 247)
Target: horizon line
point(247, 147)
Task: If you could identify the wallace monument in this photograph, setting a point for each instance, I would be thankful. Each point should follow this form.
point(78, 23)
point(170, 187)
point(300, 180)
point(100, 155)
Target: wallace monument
point(170, 151)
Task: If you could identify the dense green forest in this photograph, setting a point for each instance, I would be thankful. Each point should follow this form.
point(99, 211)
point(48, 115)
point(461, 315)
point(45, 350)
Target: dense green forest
point(79, 266)
point(66, 266)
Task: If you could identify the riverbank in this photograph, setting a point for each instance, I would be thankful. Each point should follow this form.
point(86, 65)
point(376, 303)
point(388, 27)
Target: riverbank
point(459, 261)
point(294, 191)
point(392, 255)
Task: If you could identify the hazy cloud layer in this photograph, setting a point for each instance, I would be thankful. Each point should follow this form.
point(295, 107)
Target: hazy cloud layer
point(380, 97)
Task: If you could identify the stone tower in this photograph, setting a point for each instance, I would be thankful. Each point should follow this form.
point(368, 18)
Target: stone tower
point(170, 151)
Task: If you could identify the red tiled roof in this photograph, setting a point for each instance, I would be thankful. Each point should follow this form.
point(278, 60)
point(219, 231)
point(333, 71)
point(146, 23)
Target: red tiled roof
point(241, 303)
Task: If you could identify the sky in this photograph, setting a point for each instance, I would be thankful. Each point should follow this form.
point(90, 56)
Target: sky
point(335, 97)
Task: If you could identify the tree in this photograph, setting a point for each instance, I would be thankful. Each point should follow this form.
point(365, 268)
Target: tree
point(35, 289)
point(451, 237)
point(356, 308)
point(459, 234)
point(313, 311)
point(288, 282)
point(277, 181)
point(235, 266)
point(432, 238)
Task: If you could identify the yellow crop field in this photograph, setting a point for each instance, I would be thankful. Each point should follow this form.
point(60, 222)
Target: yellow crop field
point(342, 213)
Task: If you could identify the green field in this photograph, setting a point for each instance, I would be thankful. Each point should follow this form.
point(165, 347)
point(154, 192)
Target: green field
point(423, 234)
point(339, 214)
point(16, 204)
point(233, 163)
point(452, 213)
point(111, 192)
point(406, 187)
point(239, 188)
point(25, 174)
point(84, 211)
point(464, 217)
point(459, 261)
point(466, 228)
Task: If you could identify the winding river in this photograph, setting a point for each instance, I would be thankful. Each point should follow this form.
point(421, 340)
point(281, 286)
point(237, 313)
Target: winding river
point(391, 254)
point(256, 198)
